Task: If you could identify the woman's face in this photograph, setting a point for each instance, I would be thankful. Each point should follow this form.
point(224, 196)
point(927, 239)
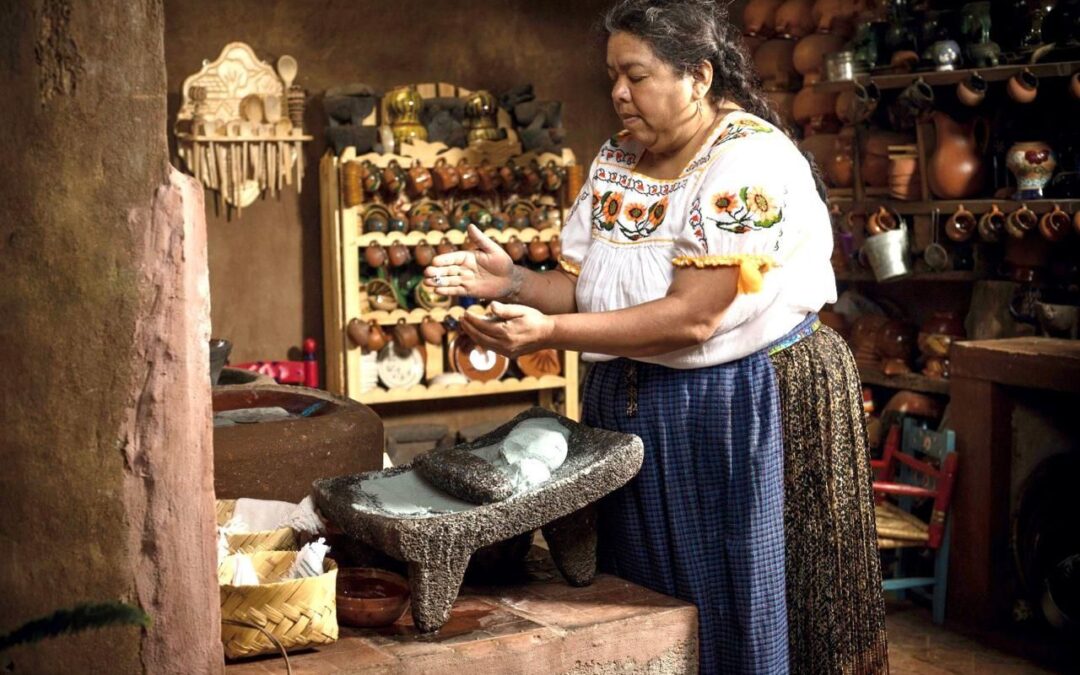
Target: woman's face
point(650, 97)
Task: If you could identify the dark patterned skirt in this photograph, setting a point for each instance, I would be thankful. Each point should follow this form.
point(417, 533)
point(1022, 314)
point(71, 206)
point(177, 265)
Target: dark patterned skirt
point(705, 519)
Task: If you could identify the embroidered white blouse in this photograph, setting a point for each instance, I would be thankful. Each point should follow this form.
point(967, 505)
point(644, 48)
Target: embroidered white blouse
point(746, 199)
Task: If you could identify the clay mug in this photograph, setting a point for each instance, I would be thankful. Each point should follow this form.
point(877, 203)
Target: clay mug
point(487, 177)
point(358, 332)
point(972, 91)
point(438, 222)
point(515, 248)
point(424, 254)
point(418, 180)
point(856, 222)
point(881, 221)
point(432, 331)
point(1023, 87)
point(418, 222)
point(376, 337)
point(469, 245)
point(538, 250)
point(867, 98)
point(350, 180)
point(1054, 225)
point(444, 176)
point(508, 176)
point(393, 178)
point(375, 255)
point(992, 224)
point(376, 221)
point(555, 246)
point(406, 337)
point(468, 175)
point(917, 100)
point(399, 255)
point(1021, 221)
point(1074, 85)
point(961, 225)
point(552, 176)
point(445, 247)
point(529, 178)
point(370, 177)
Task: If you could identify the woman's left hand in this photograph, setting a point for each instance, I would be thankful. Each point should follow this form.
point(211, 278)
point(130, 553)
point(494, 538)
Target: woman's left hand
point(514, 330)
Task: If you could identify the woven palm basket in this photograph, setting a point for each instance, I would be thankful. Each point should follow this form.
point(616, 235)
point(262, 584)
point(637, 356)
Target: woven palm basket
point(299, 613)
point(281, 539)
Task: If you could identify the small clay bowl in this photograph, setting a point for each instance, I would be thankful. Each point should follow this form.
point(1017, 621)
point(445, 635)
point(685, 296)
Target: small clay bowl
point(369, 597)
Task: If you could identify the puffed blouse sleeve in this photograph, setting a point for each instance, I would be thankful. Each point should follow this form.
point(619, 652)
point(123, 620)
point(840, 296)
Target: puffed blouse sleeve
point(576, 233)
point(737, 215)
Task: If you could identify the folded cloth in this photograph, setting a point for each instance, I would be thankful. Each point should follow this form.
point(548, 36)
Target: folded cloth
point(260, 514)
point(305, 519)
point(309, 561)
point(244, 574)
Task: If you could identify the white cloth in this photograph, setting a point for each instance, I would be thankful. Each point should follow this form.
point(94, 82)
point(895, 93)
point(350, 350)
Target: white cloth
point(747, 197)
point(259, 515)
point(309, 561)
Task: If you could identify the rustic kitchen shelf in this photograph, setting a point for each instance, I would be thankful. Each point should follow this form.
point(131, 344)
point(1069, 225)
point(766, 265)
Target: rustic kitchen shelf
point(454, 236)
point(912, 381)
point(947, 206)
point(419, 392)
point(947, 77)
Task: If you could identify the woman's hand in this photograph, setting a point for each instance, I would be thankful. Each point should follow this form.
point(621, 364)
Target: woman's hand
point(487, 272)
point(511, 330)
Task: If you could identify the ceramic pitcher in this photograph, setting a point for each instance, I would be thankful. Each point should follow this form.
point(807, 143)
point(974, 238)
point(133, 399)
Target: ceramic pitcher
point(956, 169)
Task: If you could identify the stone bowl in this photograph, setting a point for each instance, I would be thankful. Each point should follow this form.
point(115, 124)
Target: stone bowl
point(369, 597)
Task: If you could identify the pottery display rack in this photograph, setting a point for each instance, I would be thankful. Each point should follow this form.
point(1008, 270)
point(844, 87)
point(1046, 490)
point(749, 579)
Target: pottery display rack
point(239, 129)
point(343, 247)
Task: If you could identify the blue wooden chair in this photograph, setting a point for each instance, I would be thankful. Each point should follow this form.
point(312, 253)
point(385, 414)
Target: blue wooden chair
point(918, 464)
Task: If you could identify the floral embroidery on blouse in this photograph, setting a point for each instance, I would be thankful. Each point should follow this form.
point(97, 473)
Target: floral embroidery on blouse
point(697, 223)
point(749, 209)
point(636, 221)
point(606, 210)
point(740, 128)
point(639, 186)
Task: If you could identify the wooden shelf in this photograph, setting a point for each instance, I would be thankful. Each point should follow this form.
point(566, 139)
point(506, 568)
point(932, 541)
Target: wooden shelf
point(454, 236)
point(912, 381)
point(424, 393)
point(947, 206)
point(868, 277)
point(948, 77)
point(418, 315)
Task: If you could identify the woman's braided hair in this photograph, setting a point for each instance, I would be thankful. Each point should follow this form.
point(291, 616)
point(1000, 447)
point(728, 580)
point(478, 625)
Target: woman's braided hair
point(683, 34)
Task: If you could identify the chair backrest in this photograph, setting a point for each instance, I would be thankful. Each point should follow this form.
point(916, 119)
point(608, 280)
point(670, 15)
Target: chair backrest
point(305, 372)
point(904, 470)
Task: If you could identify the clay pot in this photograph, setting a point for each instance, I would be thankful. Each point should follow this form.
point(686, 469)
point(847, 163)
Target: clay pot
point(515, 248)
point(944, 323)
point(904, 177)
point(393, 178)
point(468, 175)
point(1054, 225)
point(972, 91)
point(783, 103)
point(358, 332)
point(841, 170)
point(399, 255)
point(809, 54)
point(444, 176)
point(913, 403)
point(1020, 222)
point(370, 177)
point(555, 247)
point(961, 225)
point(376, 337)
point(1032, 163)
point(759, 17)
point(881, 221)
point(875, 156)
point(424, 254)
point(904, 61)
point(418, 180)
point(419, 223)
point(835, 16)
point(538, 251)
point(775, 66)
point(432, 331)
point(445, 247)
point(1023, 87)
point(439, 222)
point(375, 255)
point(487, 177)
point(794, 18)
point(406, 338)
point(376, 221)
point(816, 110)
point(992, 224)
point(956, 168)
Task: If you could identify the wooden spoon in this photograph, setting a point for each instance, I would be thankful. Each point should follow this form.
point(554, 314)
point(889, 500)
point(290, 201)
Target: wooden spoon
point(286, 67)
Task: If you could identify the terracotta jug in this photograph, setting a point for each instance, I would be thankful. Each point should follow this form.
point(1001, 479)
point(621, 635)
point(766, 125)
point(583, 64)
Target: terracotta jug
point(794, 18)
point(835, 16)
point(774, 62)
point(815, 110)
point(759, 17)
point(956, 169)
point(809, 54)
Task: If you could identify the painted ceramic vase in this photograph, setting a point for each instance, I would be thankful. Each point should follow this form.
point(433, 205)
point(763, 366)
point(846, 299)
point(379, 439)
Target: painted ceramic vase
point(1032, 163)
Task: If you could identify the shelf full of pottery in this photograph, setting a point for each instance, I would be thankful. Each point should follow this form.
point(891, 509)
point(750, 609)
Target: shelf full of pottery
point(240, 126)
point(387, 215)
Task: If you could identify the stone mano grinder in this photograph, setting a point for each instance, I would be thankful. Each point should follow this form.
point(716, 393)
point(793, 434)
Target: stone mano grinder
point(437, 537)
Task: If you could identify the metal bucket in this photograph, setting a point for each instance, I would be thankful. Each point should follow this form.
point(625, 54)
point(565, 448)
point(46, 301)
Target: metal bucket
point(887, 254)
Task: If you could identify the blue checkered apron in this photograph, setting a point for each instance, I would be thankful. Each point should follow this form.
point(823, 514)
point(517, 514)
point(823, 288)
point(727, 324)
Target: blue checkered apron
point(704, 518)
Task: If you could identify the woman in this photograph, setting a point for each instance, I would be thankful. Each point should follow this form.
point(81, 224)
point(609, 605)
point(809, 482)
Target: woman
point(693, 263)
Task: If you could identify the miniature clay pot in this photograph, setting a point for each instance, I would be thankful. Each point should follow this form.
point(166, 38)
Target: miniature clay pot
point(538, 251)
point(487, 177)
point(904, 177)
point(913, 403)
point(397, 224)
point(445, 247)
point(815, 110)
point(468, 175)
point(1020, 222)
point(439, 222)
point(419, 223)
point(406, 337)
point(358, 332)
point(393, 178)
point(424, 254)
point(370, 177)
point(529, 180)
point(809, 54)
point(961, 225)
point(759, 17)
point(398, 255)
point(1054, 225)
point(794, 18)
point(432, 331)
point(552, 177)
point(775, 66)
point(875, 156)
point(376, 337)
point(418, 180)
point(864, 335)
point(1023, 87)
point(992, 224)
point(515, 248)
point(881, 221)
point(555, 247)
point(972, 91)
point(444, 176)
point(375, 255)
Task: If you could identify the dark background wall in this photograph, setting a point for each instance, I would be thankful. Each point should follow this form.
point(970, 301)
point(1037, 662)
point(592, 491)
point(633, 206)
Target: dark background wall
point(265, 268)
